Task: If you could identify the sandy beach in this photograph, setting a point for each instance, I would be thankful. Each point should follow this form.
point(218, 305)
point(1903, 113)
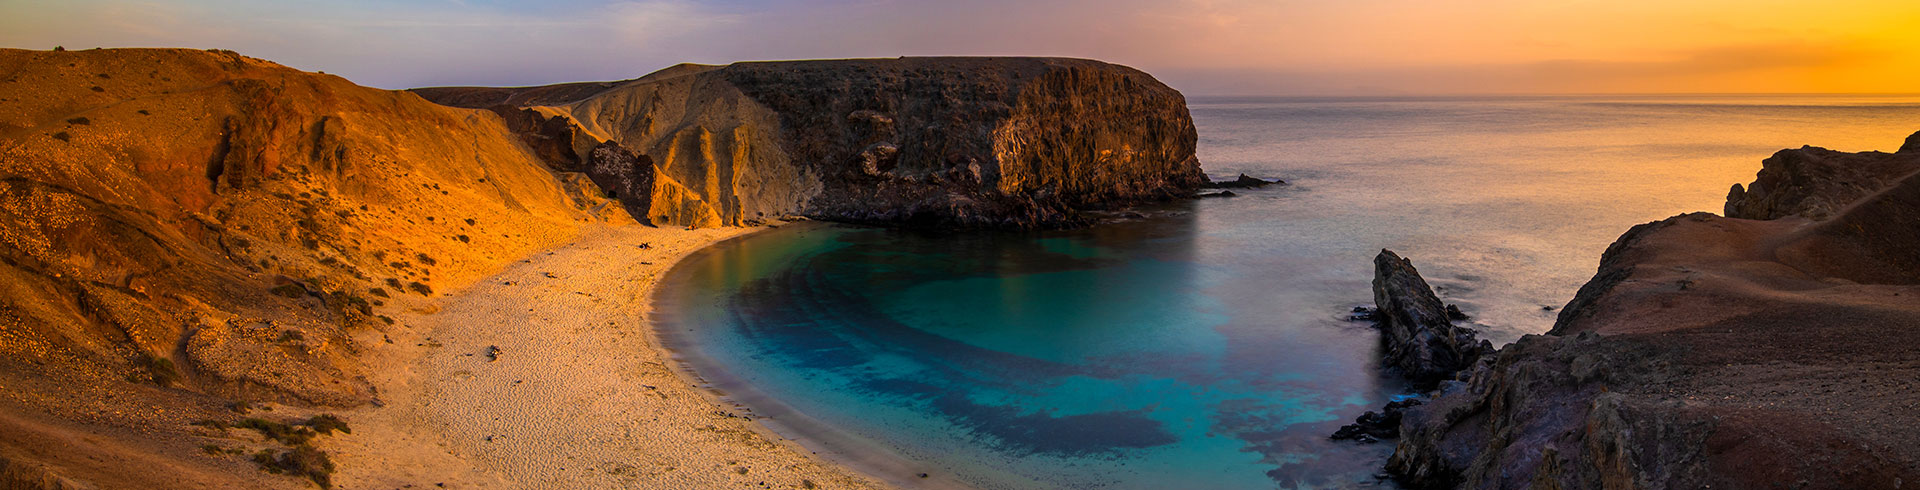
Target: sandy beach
point(548, 375)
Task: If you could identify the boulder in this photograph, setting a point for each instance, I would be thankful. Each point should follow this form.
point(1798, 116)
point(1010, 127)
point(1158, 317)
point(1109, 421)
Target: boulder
point(1416, 331)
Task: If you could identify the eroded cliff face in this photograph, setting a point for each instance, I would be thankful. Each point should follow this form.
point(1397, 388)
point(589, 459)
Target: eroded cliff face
point(1000, 142)
point(1711, 352)
point(183, 229)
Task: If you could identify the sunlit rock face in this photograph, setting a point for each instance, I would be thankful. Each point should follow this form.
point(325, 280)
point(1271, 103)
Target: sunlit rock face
point(1712, 352)
point(220, 224)
point(991, 142)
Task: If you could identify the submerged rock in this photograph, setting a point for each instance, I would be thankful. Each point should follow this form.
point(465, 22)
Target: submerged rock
point(1416, 330)
point(1376, 426)
point(1244, 182)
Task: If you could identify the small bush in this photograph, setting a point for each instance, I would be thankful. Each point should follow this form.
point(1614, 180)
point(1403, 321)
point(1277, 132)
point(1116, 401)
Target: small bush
point(80, 121)
point(63, 136)
point(326, 423)
point(59, 49)
point(160, 369)
point(424, 259)
point(420, 288)
point(379, 292)
point(291, 435)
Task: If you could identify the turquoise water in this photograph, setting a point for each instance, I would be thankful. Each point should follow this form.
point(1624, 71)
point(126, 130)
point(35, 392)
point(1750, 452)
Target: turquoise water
point(1204, 347)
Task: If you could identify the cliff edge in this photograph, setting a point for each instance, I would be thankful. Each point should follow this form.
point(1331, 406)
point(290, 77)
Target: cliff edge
point(971, 142)
point(1713, 352)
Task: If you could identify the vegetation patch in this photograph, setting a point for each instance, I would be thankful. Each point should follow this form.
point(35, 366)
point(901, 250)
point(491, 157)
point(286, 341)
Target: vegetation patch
point(160, 370)
point(302, 461)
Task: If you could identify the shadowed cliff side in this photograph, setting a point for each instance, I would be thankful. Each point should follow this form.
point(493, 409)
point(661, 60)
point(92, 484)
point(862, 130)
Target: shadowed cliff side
point(187, 229)
point(995, 142)
point(1713, 352)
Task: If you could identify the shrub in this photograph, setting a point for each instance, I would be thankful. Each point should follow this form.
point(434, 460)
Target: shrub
point(160, 369)
point(291, 435)
point(326, 423)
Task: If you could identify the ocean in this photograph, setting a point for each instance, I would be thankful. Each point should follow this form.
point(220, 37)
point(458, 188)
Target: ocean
point(1207, 346)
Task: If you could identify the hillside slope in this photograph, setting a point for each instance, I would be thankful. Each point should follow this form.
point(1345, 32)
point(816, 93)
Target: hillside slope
point(185, 229)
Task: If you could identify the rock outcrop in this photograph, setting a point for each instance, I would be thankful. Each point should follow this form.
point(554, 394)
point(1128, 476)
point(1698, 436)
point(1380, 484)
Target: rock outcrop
point(1417, 334)
point(1712, 352)
point(1816, 183)
point(971, 142)
point(185, 229)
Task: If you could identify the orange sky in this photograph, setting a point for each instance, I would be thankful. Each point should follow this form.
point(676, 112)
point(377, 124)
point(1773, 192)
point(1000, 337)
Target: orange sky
point(1201, 46)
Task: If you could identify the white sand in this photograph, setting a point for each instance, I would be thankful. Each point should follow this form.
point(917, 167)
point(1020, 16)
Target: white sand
point(581, 396)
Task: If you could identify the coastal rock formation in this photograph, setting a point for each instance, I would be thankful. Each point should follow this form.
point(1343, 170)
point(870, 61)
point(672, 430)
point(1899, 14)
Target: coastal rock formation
point(991, 142)
point(1416, 330)
point(187, 229)
point(1712, 352)
point(1816, 182)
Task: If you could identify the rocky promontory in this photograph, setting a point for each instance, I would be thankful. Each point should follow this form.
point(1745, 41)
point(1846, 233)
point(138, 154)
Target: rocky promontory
point(1771, 349)
point(972, 142)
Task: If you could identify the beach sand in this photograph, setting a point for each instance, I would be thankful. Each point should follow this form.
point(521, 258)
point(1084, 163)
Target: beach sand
point(579, 395)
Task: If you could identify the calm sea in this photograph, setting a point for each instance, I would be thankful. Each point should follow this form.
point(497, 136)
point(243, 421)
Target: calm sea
point(1206, 347)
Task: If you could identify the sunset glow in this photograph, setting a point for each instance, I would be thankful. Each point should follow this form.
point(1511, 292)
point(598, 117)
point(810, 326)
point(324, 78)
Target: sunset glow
point(1200, 46)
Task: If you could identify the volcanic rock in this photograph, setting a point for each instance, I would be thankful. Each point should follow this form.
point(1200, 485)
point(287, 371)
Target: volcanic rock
point(1416, 331)
point(968, 142)
point(1816, 183)
point(1243, 182)
point(1710, 352)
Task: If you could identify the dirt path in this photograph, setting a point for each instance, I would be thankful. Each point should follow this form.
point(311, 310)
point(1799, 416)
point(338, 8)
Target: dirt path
point(577, 395)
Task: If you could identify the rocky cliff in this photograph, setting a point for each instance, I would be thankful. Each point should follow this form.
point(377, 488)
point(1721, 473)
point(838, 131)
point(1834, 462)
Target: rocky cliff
point(1816, 182)
point(1713, 352)
point(997, 142)
point(184, 230)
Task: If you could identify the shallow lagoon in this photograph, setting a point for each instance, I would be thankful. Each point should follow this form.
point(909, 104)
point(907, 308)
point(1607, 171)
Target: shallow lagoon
point(1204, 347)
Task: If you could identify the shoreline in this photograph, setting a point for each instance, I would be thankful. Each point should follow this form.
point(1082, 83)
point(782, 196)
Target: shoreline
point(564, 401)
point(777, 419)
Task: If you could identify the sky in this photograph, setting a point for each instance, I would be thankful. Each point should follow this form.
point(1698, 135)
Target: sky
point(1202, 47)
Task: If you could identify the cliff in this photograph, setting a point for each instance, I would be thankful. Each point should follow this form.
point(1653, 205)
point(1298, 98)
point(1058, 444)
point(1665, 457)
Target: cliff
point(992, 142)
point(1816, 182)
point(185, 230)
point(1712, 352)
